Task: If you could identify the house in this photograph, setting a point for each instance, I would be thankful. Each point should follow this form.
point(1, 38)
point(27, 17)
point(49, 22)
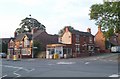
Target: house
point(102, 45)
point(100, 41)
point(75, 42)
point(115, 39)
point(22, 44)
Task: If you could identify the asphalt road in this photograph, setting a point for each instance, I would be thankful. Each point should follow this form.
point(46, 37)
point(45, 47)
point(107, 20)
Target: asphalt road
point(96, 66)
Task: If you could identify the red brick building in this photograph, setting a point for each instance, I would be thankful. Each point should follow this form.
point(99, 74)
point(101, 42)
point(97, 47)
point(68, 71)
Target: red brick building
point(22, 44)
point(100, 41)
point(81, 43)
point(101, 45)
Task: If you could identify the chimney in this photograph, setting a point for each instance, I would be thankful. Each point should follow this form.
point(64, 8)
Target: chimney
point(99, 28)
point(66, 29)
point(34, 30)
point(89, 30)
point(15, 34)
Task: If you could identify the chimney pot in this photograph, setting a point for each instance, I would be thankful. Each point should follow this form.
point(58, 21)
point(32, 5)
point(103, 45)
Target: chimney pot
point(66, 29)
point(15, 34)
point(89, 30)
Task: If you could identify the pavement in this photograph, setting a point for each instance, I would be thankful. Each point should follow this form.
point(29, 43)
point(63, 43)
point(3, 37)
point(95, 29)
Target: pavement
point(96, 66)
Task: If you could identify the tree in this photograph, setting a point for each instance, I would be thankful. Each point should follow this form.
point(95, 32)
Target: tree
point(28, 23)
point(63, 29)
point(39, 47)
point(107, 15)
point(4, 47)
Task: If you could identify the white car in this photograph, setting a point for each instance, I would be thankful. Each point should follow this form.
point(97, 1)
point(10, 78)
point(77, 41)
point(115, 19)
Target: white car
point(115, 49)
point(3, 55)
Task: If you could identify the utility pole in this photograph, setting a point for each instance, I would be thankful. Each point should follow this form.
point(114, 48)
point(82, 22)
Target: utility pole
point(32, 36)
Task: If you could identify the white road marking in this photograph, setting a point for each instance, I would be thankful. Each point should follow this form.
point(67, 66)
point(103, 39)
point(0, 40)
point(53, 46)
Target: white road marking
point(87, 63)
point(3, 76)
point(18, 68)
point(18, 75)
point(114, 75)
point(30, 59)
point(66, 63)
point(50, 64)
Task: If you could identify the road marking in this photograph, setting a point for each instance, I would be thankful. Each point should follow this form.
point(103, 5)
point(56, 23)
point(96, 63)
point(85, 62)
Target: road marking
point(66, 63)
point(18, 75)
point(3, 76)
point(12, 66)
point(114, 75)
point(87, 63)
point(50, 64)
point(18, 68)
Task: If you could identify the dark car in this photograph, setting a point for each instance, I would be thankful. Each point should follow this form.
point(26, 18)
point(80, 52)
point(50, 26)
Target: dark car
point(3, 55)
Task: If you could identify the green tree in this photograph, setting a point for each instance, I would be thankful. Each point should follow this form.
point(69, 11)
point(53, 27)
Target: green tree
point(38, 49)
point(4, 47)
point(107, 15)
point(28, 23)
point(63, 29)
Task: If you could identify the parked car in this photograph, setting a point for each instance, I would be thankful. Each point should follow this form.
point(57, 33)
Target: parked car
point(115, 49)
point(3, 55)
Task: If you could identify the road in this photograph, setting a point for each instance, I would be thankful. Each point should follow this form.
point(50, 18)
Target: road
point(96, 66)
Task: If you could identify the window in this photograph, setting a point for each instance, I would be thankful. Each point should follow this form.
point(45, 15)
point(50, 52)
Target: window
point(77, 38)
point(60, 39)
point(77, 48)
point(11, 44)
point(90, 48)
point(90, 39)
point(25, 52)
point(26, 43)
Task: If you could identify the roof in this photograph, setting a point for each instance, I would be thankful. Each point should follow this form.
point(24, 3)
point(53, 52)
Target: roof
point(5, 40)
point(81, 33)
point(38, 33)
point(21, 36)
point(115, 39)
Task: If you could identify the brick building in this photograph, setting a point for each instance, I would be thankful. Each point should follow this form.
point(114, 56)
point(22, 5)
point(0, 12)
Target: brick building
point(80, 43)
point(102, 45)
point(100, 41)
point(22, 44)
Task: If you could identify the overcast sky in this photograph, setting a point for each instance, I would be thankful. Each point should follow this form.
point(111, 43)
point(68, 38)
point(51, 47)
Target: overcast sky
point(54, 14)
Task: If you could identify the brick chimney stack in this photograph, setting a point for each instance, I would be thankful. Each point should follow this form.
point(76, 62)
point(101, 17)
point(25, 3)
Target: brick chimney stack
point(66, 29)
point(89, 30)
point(34, 30)
point(15, 34)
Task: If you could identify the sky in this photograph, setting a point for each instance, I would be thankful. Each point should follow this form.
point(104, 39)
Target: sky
point(54, 14)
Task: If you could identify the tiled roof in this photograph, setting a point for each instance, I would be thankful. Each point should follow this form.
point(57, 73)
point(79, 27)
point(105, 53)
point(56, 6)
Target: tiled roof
point(21, 36)
point(38, 33)
point(115, 39)
point(81, 33)
point(5, 40)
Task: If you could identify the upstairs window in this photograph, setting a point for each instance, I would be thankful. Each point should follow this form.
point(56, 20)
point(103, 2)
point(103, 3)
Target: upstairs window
point(77, 38)
point(26, 43)
point(90, 40)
